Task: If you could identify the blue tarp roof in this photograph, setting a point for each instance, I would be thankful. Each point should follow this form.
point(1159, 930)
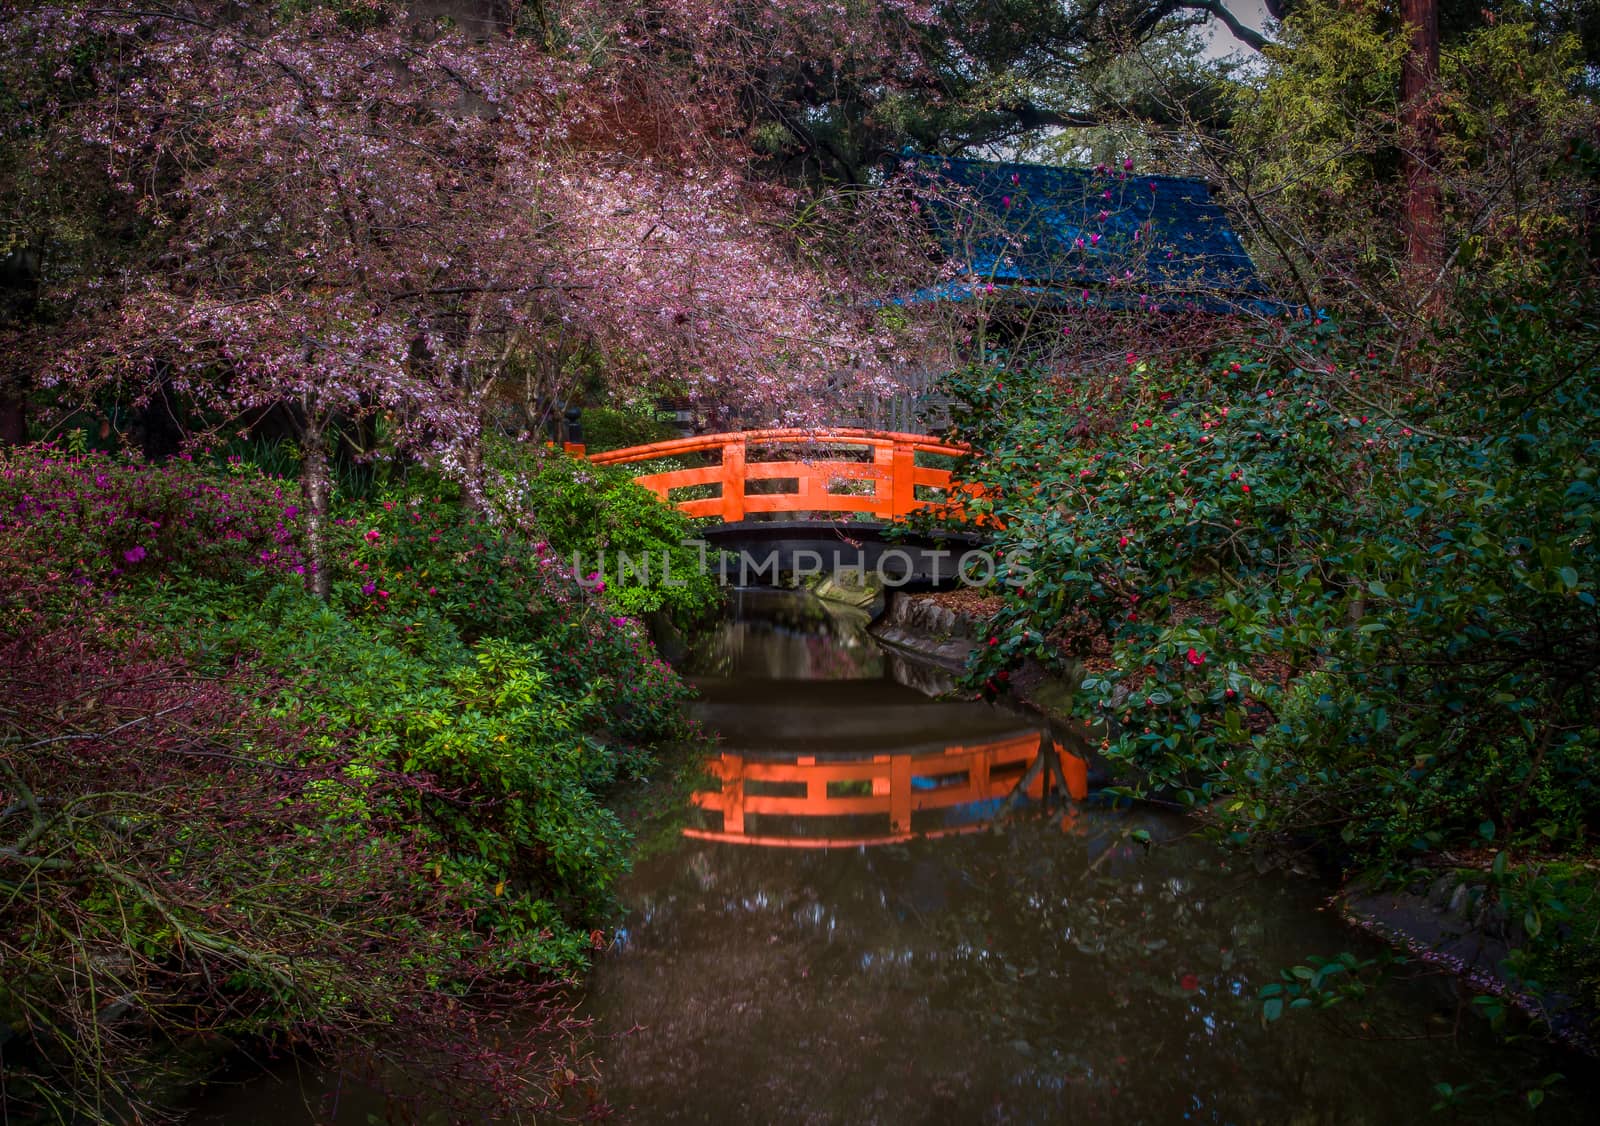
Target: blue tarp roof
point(1100, 235)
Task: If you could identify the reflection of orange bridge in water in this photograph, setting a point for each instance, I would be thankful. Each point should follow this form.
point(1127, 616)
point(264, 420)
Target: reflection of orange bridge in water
point(957, 788)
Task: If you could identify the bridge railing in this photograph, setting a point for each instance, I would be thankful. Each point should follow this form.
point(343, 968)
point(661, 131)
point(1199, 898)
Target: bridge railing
point(897, 786)
point(892, 472)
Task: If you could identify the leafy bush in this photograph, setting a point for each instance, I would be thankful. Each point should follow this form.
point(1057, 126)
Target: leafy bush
point(181, 870)
point(439, 569)
point(456, 651)
point(359, 822)
point(592, 515)
point(1312, 615)
point(510, 815)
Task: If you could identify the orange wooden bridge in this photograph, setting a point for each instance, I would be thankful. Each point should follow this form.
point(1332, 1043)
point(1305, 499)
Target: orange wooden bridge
point(803, 797)
point(877, 473)
point(812, 501)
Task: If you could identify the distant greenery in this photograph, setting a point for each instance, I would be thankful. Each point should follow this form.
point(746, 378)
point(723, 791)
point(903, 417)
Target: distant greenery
point(615, 428)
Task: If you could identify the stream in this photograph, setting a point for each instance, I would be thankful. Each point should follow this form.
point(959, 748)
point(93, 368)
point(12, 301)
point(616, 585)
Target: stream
point(1047, 970)
point(961, 966)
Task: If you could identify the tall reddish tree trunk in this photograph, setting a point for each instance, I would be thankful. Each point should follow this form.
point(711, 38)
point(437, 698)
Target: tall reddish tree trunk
point(1424, 247)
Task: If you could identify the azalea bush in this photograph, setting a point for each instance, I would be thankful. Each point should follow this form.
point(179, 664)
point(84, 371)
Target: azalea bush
point(1312, 596)
point(453, 649)
point(91, 522)
point(422, 550)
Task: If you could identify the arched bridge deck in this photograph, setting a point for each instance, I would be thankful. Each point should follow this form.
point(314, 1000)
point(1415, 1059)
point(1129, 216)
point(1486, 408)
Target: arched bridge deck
point(773, 491)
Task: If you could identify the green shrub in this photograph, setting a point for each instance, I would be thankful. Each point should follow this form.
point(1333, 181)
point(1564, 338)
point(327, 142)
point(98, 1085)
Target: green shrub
point(476, 691)
point(1309, 615)
point(592, 515)
point(507, 765)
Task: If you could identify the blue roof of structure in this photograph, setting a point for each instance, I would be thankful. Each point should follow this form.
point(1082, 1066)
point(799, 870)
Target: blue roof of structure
point(1100, 235)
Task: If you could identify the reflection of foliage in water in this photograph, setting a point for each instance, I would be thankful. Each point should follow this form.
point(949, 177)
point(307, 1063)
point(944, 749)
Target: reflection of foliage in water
point(787, 635)
point(1028, 975)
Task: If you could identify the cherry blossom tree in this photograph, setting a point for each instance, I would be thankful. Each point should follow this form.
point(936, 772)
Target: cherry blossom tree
point(357, 214)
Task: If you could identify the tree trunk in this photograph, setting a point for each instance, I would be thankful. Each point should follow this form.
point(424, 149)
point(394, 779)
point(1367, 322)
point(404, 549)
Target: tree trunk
point(1418, 75)
point(13, 414)
point(19, 298)
point(319, 495)
point(472, 467)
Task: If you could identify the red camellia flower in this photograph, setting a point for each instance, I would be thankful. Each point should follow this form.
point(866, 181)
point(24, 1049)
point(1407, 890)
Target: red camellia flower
point(1195, 657)
point(1189, 983)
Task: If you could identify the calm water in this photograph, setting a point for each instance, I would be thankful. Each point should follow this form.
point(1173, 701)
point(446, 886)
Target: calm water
point(1050, 971)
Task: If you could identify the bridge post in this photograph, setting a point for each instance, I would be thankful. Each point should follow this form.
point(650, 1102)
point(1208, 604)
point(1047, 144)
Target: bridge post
point(733, 481)
point(901, 462)
point(733, 793)
point(900, 794)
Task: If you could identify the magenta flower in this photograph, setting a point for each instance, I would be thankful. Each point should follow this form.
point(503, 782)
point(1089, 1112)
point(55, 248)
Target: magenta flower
point(134, 554)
